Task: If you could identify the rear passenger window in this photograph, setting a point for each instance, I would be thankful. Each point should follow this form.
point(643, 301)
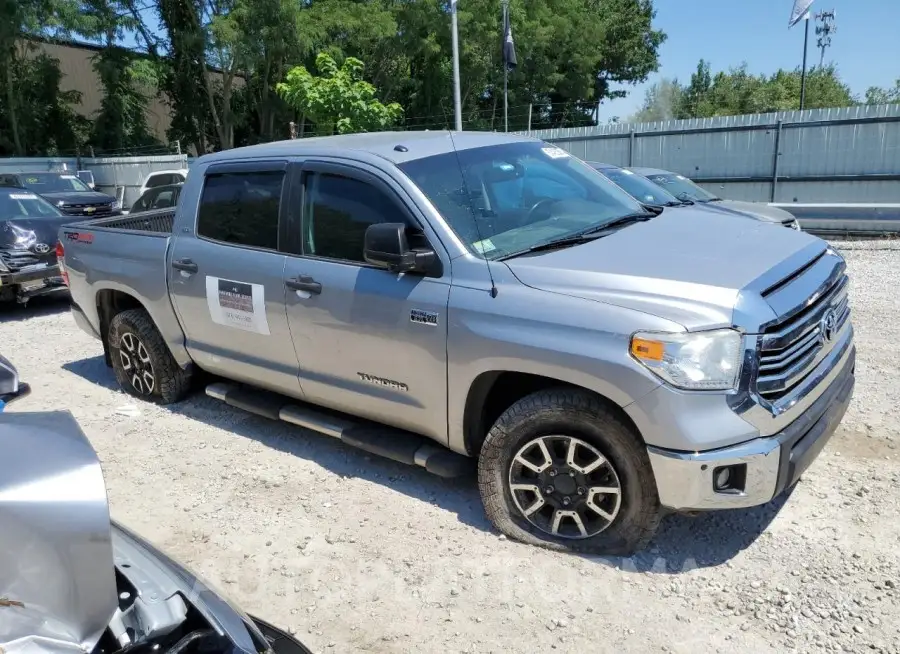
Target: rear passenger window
point(241, 208)
point(338, 211)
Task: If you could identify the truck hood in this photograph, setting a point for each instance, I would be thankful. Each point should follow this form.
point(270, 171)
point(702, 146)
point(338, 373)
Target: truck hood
point(77, 197)
point(759, 210)
point(45, 230)
point(688, 266)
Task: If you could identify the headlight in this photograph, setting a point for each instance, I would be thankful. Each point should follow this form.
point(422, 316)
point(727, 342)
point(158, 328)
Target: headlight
point(22, 238)
point(700, 361)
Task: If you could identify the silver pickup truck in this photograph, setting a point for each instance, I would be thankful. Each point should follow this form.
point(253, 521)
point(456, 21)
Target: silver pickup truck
point(435, 296)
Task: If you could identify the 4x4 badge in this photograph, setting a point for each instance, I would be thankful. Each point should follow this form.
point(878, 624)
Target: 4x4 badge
point(423, 317)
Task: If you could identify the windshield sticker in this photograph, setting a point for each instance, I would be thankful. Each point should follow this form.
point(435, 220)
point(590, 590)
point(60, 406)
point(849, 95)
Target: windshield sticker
point(31, 180)
point(22, 196)
point(483, 247)
point(68, 177)
point(627, 172)
point(680, 177)
point(555, 153)
point(237, 304)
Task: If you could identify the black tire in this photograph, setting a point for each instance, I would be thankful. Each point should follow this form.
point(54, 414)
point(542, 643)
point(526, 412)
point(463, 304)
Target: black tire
point(588, 419)
point(132, 332)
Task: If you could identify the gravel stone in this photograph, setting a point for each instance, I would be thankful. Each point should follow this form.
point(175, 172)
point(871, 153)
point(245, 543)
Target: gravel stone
point(253, 482)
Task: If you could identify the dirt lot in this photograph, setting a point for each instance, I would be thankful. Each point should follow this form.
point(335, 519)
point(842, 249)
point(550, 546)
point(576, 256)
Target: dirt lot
point(359, 554)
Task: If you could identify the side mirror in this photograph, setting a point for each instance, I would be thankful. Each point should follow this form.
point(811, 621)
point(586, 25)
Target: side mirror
point(386, 246)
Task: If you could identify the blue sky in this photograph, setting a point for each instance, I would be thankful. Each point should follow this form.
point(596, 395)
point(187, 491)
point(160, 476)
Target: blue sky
point(866, 47)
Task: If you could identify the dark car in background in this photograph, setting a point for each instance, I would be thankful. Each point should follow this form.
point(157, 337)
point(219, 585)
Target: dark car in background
point(157, 197)
point(685, 189)
point(66, 192)
point(638, 186)
point(29, 225)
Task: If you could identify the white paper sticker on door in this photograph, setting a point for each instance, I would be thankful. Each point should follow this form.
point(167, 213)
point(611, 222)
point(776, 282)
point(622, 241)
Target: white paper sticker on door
point(237, 304)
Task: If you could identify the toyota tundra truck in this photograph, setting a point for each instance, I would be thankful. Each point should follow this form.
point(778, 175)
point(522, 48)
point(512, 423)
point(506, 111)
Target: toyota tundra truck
point(437, 297)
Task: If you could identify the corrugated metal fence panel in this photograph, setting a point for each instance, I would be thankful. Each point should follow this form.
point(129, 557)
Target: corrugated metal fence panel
point(129, 172)
point(818, 142)
point(36, 164)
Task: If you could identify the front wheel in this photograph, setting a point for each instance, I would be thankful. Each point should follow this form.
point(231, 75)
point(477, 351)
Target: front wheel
point(141, 360)
point(561, 470)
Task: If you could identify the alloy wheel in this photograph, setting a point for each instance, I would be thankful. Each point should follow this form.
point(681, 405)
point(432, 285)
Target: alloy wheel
point(565, 487)
point(136, 364)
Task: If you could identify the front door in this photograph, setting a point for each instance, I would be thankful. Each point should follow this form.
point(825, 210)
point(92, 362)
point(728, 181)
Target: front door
point(227, 279)
point(369, 342)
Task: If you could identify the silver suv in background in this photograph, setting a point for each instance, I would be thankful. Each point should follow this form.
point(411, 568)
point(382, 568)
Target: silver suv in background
point(685, 189)
point(433, 296)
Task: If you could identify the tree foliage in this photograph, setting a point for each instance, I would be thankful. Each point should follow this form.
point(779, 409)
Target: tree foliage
point(877, 95)
point(738, 91)
point(338, 100)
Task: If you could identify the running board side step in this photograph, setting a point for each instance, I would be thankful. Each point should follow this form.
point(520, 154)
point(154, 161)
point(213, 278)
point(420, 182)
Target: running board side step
point(395, 444)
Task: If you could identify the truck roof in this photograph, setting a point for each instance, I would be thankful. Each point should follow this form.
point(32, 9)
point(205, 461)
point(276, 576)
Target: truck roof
point(397, 147)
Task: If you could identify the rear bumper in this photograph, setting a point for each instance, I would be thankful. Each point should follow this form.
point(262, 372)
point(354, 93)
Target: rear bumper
point(765, 467)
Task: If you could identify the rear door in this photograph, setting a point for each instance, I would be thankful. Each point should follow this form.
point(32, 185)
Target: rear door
point(369, 342)
point(227, 279)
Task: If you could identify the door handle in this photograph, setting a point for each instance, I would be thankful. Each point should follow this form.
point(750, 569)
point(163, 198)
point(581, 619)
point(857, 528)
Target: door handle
point(304, 283)
point(185, 265)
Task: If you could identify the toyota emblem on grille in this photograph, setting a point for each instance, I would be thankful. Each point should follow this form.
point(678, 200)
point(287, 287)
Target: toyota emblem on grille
point(41, 248)
point(828, 325)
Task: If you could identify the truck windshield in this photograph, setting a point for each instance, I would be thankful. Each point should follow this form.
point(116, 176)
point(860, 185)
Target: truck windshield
point(503, 199)
point(640, 187)
point(682, 188)
point(53, 182)
point(22, 203)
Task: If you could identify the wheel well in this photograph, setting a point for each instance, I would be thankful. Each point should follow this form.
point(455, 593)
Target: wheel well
point(109, 304)
point(494, 392)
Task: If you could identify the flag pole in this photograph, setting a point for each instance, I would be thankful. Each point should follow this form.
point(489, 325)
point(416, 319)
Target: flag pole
point(457, 103)
point(803, 73)
point(505, 4)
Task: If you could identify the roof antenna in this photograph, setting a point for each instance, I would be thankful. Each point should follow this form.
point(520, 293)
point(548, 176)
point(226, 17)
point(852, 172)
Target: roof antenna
point(487, 261)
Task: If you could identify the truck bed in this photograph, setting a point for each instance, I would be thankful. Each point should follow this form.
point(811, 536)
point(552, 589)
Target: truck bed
point(159, 221)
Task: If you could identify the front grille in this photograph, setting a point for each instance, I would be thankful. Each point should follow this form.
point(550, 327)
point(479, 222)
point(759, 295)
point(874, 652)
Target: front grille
point(791, 349)
point(90, 210)
point(17, 260)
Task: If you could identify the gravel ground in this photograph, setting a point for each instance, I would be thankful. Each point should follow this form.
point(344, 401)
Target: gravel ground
point(358, 554)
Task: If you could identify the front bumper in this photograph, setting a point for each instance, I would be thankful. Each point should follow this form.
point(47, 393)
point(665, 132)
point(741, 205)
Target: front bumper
point(767, 466)
point(34, 281)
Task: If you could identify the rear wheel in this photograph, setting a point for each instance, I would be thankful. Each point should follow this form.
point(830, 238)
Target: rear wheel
point(141, 360)
point(561, 470)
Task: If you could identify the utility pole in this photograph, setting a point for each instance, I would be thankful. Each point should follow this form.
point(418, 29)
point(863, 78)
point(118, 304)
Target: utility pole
point(824, 32)
point(803, 74)
point(454, 33)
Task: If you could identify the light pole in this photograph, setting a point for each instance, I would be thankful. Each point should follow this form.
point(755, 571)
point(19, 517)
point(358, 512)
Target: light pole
point(457, 102)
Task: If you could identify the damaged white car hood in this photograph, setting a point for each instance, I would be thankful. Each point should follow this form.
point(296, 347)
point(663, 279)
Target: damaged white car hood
point(57, 579)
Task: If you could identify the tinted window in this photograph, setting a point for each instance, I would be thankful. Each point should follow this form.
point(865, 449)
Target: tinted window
point(639, 187)
point(338, 211)
point(241, 208)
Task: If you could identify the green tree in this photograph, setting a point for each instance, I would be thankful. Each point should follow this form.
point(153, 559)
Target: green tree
point(338, 99)
point(661, 101)
point(19, 21)
point(877, 95)
point(739, 92)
